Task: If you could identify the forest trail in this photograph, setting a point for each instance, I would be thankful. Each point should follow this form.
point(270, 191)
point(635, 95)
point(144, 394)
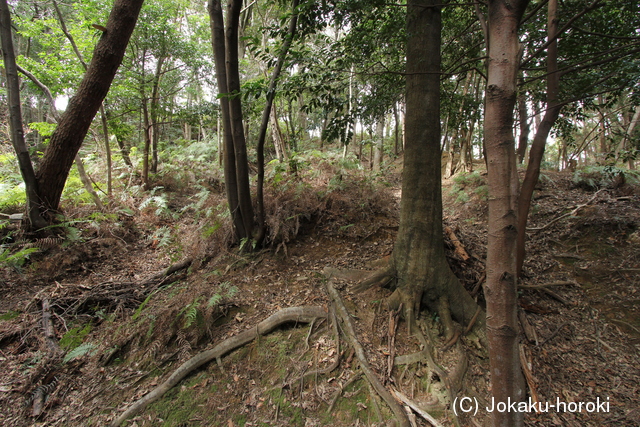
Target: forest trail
point(580, 297)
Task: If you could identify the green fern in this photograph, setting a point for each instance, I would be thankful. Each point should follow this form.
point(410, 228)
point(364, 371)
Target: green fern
point(81, 350)
point(17, 260)
point(190, 316)
point(214, 300)
point(190, 313)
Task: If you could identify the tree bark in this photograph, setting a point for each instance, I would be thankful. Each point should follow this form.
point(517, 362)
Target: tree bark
point(69, 135)
point(56, 117)
point(266, 113)
point(500, 288)
point(34, 208)
point(103, 116)
point(423, 274)
point(235, 109)
point(228, 157)
point(523, 140)
point(536, 154)
point(378, 149)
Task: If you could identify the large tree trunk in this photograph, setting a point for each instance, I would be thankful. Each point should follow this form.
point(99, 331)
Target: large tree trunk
point(500, 288)
point(419, 259)
point(539, 143)
point(68, 136)
point(34, 212)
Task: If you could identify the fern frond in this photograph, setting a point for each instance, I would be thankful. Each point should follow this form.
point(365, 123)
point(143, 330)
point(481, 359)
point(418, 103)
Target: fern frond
point(81, 350)
point(214, 300)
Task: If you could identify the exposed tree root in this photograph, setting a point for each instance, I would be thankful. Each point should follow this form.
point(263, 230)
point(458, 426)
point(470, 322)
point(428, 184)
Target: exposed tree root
point(529, 331)
point(341, 311)
point(291, 314)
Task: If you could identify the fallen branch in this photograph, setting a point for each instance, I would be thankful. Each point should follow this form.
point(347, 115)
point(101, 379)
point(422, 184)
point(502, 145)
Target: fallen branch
point(416, 408)
point(47, 328)
point(457, 245)
point(529, 331)
point(572, 213)
point(528, 376)
point(349, 330)
point(291, 314)
point(546, 290)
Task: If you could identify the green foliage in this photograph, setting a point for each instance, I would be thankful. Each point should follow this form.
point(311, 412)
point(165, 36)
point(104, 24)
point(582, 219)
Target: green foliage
point(45, 129)
point(227, 290)
point(9, 315)
point(79, 351)
point(466, 184)
point(162, 237)
point(12, 197)
point(141, 307)
point(75, 336)
point(15, 260)
point(190, 313)
point(592, 178)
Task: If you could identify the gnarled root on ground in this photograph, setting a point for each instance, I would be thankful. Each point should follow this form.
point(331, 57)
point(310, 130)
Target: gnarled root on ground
point(291, 314)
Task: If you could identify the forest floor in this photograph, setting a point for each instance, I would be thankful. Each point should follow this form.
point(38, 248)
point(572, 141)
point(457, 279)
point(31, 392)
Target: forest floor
point(124, 326)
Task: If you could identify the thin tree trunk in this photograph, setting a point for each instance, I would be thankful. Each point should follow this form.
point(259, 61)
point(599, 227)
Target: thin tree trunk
point(378, 150)
point(34, 209)
point(148, 136)
point(266, 113)
point(523, 140)
point(627, 135)
point(396, 130)
point(235, 109)
point(501, 286)
point(539, 143)
point(56, 117)
point(229, 160)
point(153, 114)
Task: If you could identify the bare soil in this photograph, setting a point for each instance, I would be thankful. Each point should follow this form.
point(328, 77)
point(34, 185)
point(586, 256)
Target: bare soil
point(129, 337)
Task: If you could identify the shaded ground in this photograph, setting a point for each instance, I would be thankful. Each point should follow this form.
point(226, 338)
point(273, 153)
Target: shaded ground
point(586, 344)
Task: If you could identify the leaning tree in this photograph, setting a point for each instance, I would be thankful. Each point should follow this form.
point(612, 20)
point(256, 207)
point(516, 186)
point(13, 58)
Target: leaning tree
point(75, 122)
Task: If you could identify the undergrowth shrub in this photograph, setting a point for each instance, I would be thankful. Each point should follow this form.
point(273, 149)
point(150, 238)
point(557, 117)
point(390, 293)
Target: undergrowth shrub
point(592, 178)
point(466, 184)
point(329, 191)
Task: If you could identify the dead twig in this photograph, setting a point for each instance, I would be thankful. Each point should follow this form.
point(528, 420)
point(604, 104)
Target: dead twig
point(411, 404)
point(526, 369)
point(394, 318)
point(554, 333)
point(529, 331)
